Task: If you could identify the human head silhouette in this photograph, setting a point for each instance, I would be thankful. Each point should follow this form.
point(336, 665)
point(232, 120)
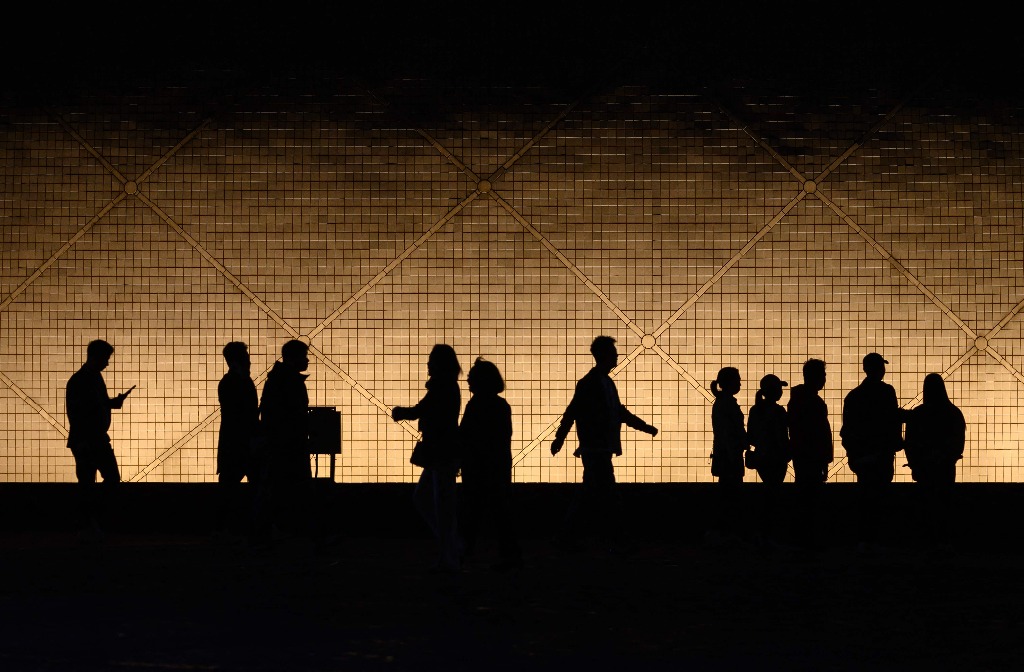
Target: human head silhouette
point(606, 356)
point(485, 378)
point(874, 365)
point(771, 388)
point(97, 354)
point(236, 354)
point(934, 391)
point(728, 382)
point(814, 374)
point(295, 354)
point(443, 362)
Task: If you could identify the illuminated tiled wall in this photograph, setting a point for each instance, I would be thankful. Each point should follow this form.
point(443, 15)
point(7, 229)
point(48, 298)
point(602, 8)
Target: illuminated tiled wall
point(753, 228)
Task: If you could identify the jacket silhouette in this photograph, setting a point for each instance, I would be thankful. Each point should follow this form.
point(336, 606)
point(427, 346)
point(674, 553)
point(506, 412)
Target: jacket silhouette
point(284, 422)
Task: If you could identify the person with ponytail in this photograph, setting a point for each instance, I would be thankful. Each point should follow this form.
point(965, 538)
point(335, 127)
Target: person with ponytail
point(730, 442)
point(730, 437)
point(768, 430)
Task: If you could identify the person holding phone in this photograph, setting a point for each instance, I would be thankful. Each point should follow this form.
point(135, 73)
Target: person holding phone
point(88, 409)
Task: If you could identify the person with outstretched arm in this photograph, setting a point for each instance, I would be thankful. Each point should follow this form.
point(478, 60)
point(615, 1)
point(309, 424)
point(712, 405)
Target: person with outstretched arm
point(598, 414)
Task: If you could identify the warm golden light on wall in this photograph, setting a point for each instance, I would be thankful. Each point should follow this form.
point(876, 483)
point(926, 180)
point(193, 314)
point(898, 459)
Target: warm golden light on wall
point(698, 234)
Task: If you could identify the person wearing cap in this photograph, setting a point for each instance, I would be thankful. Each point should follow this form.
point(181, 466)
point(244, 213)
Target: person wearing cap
point(768, 432)
point(872, 435)
point(769, 452)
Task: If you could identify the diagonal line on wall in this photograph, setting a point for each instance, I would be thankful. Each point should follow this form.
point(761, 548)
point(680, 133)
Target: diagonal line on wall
point(879, 248)
point(393, 264)
point(180, 443)
point(895, 263)
point(870, 133)
point(443, 151)
point(175, 447)
point(990, 349)
point(485, 187)
point(444, 220)
point(355, 385)
point(543, 240)
point(60, 252)
point(729, 264)
point(223, 270)
point(433, 142)
point(89, 148)
point(759, 141)
point(683, 373)
point(1006, 320)
point(567, 263)
point(994, 354)
point(172, 151)
point(512, 160)
point(971, 352)
point(33, 404)
point(546, 432)
point(262, 305)
point(106, 209)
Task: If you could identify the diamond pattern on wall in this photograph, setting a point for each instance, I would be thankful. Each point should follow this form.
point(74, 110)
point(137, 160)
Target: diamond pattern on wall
point(753, 228)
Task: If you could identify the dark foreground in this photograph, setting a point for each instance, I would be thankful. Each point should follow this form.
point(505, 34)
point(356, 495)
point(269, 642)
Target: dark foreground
point(161, 595)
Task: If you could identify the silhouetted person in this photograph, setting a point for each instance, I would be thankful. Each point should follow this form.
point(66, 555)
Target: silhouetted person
point(286, 482)
point(768, 431)
point(936, 433)
point(810, 436)
point(239, 422)
point(810, 432)
point(598, 414)
point(729, 444)
point(485, 436)
point(768, 434)
point(872, 435)
point(438, 416)
point(88, 408)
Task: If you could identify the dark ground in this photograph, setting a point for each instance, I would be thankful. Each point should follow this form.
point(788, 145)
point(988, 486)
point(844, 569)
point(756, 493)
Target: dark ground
point(163, 592)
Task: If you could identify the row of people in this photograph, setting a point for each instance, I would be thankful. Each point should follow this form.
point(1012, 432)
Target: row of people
point(264, 440)
point(872, 430)
point(800, 435)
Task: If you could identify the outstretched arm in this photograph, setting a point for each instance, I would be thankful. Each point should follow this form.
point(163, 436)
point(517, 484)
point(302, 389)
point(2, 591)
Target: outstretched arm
point(636, 423)
point(404, 413)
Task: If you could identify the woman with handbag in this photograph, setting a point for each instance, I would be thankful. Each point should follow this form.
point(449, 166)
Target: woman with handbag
point(437, 452)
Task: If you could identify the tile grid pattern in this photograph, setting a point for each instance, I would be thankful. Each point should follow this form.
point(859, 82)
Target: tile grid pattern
point(489, 203)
